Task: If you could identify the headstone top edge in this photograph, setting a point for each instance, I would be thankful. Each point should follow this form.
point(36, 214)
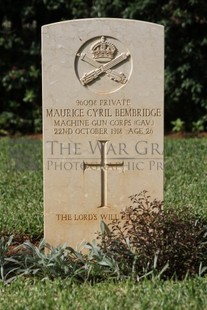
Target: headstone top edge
point(97, 19)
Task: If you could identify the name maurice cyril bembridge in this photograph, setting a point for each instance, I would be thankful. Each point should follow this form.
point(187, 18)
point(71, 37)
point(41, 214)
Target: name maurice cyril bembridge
point(86, 118)
point(94, 117)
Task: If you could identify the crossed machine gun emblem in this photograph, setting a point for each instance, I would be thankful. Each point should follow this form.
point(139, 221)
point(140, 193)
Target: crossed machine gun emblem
point(103, 60)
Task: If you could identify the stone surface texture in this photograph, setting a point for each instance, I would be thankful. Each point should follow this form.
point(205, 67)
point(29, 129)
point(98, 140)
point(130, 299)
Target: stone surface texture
point(103, 122)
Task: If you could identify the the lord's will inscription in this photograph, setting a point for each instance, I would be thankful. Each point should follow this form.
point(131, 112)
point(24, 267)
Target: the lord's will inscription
point(93, 118)
point(89, 217)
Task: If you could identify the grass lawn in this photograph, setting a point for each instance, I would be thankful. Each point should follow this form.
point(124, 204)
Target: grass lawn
point(60, 294)
point(186, 174)
point(21, 205)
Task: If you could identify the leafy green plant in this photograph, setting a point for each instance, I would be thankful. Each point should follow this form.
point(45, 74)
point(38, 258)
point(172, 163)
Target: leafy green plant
point(199, 125)
point(44, 261)
point(178, 125)
point(28, 259)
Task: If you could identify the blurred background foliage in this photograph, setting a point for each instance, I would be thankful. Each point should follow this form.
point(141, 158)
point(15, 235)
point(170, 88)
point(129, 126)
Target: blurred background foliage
point(20, 49)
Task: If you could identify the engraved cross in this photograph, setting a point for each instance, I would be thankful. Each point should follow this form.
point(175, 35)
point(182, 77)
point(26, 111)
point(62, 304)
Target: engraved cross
point(104, 167)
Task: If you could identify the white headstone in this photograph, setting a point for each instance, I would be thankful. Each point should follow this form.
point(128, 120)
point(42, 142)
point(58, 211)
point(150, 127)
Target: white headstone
point(103, 122)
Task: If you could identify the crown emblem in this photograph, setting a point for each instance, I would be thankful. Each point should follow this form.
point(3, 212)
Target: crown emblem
point(103, 50)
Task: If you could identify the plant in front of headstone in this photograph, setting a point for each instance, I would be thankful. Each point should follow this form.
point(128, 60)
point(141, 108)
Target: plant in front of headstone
point(133, 241)
point(89, 263)
point(41, 261)
point(100, 266)
point(150, 241)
